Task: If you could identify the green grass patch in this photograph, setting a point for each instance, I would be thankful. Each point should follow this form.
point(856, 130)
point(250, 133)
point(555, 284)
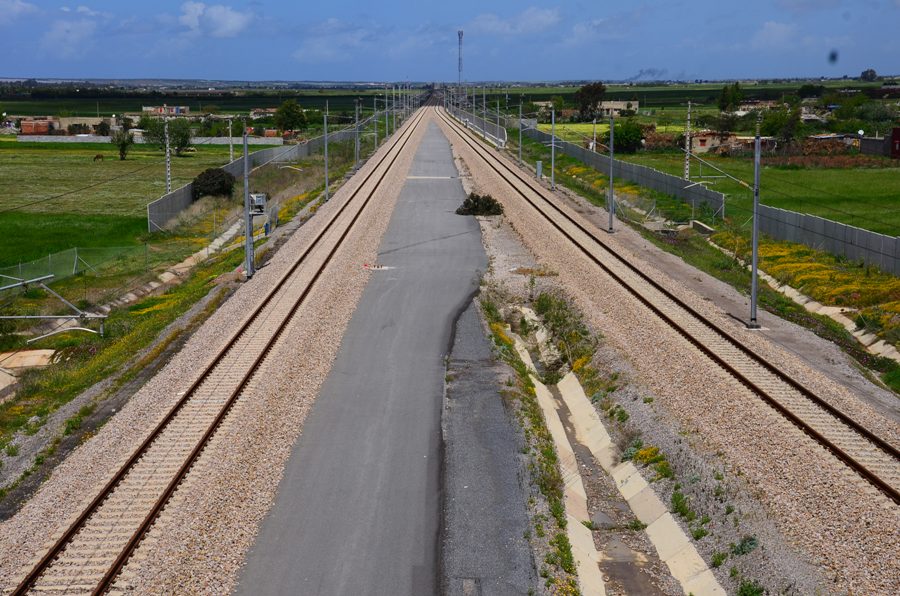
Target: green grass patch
point(88, 360)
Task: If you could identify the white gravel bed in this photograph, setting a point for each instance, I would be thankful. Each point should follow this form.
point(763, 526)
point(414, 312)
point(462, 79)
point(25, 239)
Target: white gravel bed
point(77, 479)
point(817, 503)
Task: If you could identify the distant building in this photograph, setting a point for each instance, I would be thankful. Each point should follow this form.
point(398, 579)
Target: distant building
point(37, 126)
point(257, 113)
point(615, 108)
point(166, 110)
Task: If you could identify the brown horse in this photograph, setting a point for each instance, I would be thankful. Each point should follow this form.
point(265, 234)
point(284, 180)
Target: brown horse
point(98, 157)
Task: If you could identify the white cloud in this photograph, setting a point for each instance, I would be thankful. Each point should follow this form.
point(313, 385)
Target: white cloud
point(334, 41)
point(215, 20)
point(14, 8)
point(69, 39)
point(530, 20)
point(774, 35)
point(88, 12)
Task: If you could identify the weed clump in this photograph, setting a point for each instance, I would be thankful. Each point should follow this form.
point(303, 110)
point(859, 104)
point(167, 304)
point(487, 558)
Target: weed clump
point(476, 204)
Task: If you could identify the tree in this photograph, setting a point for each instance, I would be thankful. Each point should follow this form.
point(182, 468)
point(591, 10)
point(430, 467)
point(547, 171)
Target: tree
point(213, 181)
point(731, 97)
point(290, 116)
point(558, 103)
point(103, 128)
point(782, 124)
point(179, 134)
point(123, 140)
point(869, 75)
point(628, 136)
point(588, 99)
point(810, 90)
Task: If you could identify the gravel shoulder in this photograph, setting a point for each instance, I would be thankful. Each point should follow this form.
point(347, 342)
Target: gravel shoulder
point(819, 511)
point(245, 458)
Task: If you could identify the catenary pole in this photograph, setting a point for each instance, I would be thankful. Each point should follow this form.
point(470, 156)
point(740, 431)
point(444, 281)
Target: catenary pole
point(553, 148)
point(612, 161)
point(168, 158)
point(375, 117)
point(248, 218)
point(356, 133)
point(754, 274)
point(326, 150)
point(520, 132)
point(230, 143)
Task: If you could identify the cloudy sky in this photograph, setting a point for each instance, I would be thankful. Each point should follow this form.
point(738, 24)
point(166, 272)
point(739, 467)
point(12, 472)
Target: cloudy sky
point(504, 40)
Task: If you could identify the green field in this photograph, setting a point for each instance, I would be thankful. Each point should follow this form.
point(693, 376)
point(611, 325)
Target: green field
point(579, 132)
point(46, 206)
point(868, 198)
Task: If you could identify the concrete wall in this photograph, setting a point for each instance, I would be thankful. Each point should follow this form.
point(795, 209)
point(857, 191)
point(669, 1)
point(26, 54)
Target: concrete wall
point(873, 146)
point(696, 195)
point(856, 244)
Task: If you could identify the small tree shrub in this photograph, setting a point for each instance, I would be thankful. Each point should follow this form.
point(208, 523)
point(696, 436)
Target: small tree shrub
point(476, 204)
point(213, 181)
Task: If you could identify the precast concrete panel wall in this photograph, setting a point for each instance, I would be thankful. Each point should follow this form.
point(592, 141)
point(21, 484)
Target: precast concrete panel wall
point(642, 175)
point(855, 244)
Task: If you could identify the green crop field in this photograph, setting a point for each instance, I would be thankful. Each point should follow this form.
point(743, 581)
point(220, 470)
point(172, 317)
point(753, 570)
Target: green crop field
point(56, 196)
point(864, 197)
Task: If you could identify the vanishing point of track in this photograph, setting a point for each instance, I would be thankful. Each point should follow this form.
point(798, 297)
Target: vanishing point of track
point(874, 459)
point(94, 549)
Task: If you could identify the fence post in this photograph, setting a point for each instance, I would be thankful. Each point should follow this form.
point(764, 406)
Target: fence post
point(75, 262)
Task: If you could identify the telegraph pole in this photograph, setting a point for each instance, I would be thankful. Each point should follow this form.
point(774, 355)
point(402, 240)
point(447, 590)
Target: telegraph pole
point(612, 161)
point(754, 281)
point(326, 150)
point(553, 148)
point(248, 217)
point(168, 158)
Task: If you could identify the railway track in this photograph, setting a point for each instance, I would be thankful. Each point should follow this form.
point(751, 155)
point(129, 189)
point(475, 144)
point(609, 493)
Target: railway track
point(872, 458)
point(92, 551)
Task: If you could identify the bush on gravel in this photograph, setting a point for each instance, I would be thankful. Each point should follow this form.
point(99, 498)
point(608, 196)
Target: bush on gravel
point(476, 204)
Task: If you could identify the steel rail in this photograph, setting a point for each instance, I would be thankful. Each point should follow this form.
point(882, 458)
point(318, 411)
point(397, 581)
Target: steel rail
point(108, 578)
point(803, 425)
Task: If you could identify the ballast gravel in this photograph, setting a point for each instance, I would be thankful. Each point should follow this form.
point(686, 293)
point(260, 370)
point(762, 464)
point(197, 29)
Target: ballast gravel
point(200, 539)
point(843, 525)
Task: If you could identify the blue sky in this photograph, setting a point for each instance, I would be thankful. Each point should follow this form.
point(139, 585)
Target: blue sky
point(504, 40)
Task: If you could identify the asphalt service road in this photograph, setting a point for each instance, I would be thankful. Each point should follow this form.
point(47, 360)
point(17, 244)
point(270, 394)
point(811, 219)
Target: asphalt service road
point(358, 510)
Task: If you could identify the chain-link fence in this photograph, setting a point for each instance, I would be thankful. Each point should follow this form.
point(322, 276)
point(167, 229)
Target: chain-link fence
point(496, 132)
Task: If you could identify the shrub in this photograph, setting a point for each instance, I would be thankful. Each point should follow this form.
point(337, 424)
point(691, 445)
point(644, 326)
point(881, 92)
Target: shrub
point(747, 545)
point(213, 181)
point(476, 204)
